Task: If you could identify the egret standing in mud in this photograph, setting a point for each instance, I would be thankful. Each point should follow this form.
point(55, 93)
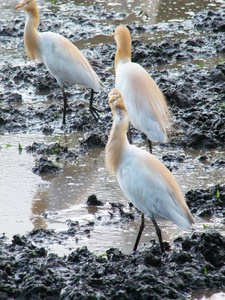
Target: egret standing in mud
point(146, 182)
point(63, 60)
point(144, 102)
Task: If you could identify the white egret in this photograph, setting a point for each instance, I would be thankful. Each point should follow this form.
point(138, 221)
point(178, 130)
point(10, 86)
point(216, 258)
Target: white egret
point(63, 59)
point(144, 102)
point(146, 182)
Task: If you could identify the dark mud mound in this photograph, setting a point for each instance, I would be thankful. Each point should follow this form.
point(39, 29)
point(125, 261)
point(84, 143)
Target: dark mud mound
point(207, 203)
point(210, 20)
point(197, 100)
point(167, 51)
point(45, 167)
point(94, 139)
point(195, 94)
point(30, 272)
point(57, 149)
point(93, 201)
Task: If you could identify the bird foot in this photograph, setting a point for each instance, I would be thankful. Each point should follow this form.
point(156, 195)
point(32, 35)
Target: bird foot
point(95, 112)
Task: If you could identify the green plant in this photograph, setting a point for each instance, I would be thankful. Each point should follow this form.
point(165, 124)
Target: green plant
point(205, 270)
point(201, 64)
point(59, 139)
point(20, 148)
point(217, 193)
point(204, 226)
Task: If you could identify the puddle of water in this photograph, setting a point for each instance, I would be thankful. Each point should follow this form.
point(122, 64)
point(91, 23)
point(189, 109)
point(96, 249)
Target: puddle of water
point(29, 201)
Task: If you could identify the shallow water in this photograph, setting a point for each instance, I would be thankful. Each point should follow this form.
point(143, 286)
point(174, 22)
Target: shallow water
point(28, 201)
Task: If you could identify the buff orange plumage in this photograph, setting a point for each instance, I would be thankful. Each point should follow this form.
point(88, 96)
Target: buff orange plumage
point(145, 103)
point(146, 182)
point(63, 60)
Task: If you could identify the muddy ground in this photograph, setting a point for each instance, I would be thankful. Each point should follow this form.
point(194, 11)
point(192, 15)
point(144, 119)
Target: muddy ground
point(196, 96)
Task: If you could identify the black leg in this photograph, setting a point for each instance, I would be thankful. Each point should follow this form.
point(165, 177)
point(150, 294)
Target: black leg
point(150, 146)
point(129, 134)
point(65, 106)
point(93, 110)
point(158, 232)
point(142, 226)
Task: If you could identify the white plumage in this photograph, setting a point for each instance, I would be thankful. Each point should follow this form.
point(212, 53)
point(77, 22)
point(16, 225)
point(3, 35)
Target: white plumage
point(145, 103)
point(63, 59)
point(146, 182)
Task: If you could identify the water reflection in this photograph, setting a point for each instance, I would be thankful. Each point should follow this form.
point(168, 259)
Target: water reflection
point(65, 196)
point(154, 11)
point(29, 201)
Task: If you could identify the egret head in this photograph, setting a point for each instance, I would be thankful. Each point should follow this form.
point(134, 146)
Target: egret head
point(116, 100)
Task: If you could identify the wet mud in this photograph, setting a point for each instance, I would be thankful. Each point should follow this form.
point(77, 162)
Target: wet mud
point(196, 96)
point(194, 93)
point(30, 272)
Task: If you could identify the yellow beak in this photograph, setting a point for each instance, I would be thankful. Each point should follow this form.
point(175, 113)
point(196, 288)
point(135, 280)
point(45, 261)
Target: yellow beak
point(19, 5)
point(24, 2)
point(111, 35)
point(111, 99)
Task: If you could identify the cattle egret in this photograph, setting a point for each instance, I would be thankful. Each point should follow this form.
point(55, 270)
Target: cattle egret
point(63, 60)
point(146, 182)
point(144, 102)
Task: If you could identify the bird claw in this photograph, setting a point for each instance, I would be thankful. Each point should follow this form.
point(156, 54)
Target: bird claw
point(95, 112)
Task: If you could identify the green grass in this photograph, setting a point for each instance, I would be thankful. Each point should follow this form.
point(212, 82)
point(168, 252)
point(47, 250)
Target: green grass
point(20, 148)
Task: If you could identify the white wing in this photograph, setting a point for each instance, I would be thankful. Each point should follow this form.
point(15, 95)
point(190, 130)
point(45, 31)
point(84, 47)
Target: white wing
point(150, 186)
point(65, 61)
point(144, 101)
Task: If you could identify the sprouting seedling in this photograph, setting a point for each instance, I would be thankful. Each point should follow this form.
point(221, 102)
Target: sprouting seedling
point(217, 193)
point(59, 139)
point(204, 226)
point(53, 1)
point(201, 64)
point(8, 145)
point(222, 106)
point(104, 255)
point(20, 148)
point(205, 270)
point(56, 150)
